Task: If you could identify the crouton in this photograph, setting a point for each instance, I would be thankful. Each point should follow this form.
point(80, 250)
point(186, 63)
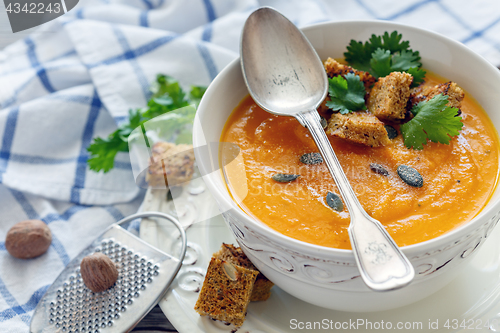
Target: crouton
point(168, 160)
point(455, 94)
point(389, 96)
point(226, 292)
point(358, 127)
point(262, 286)
point(334, 68)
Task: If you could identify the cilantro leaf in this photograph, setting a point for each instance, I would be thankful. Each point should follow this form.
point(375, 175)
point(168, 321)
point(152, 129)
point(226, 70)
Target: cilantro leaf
point(418, 76)
point(404, 60)
point(167, 95)
point(437, 102)
point(433, 120)
point(381, 55)
point(103, 152)
point(346, 94)
point(196, 94)
point(390, 42)
point(381, 63)
point(358, 55)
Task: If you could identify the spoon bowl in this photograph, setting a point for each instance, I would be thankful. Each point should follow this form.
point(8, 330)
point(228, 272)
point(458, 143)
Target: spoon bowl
point(284, 78)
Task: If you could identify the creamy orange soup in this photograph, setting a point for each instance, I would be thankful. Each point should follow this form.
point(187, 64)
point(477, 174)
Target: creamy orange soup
point(458, 178)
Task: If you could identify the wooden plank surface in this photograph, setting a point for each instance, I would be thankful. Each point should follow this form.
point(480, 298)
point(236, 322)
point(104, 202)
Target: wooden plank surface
point(155, 321)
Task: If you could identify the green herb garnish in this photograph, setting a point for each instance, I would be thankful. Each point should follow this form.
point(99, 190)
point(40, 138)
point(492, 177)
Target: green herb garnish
point(346, 94)
point(167, 96)
point(384, 54)
point(432, 120)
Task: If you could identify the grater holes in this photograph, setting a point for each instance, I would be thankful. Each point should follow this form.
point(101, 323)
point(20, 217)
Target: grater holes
point(77, 309)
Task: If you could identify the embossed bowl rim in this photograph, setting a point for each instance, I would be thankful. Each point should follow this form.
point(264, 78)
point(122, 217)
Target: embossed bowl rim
point(440, 54)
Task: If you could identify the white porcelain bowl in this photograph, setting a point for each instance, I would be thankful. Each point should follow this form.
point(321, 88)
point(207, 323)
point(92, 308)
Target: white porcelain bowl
point(329, 277)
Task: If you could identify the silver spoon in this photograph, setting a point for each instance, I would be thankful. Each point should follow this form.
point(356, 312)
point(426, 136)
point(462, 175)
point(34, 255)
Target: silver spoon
point(286, 77)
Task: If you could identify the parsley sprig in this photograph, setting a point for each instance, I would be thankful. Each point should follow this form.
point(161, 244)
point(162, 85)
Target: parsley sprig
point(432, 120)
point(167, 96)
point(346, 94)
point(381, 55)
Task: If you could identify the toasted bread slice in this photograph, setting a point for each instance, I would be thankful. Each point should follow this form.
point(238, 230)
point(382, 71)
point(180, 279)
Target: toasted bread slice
point(334, 68)
point(170, 164)
point(389, 96)
point(262, 287)
point(226, 292)
point(358, 127)
point(451, 89)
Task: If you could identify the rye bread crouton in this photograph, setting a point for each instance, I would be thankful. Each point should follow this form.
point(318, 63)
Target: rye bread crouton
point(389, 96)
point(226, 292)
point(334, 68)
point(262, 286)
point(451, 89)
point(170, 164)
point(358, 127)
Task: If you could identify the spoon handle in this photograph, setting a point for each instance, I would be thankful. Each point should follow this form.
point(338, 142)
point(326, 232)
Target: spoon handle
point(381, 263)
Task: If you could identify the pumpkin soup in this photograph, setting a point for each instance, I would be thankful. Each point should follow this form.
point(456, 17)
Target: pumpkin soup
point(459, 177)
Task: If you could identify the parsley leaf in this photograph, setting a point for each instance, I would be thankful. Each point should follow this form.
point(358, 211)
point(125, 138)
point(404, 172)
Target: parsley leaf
point(384, 54)
point(381, 63)
point(167, 96)
point(392, 43)
point(433, 120)
point(346, 94)
point(418, 76)
point(360, 54)
point(103, 152)
point(404, 60)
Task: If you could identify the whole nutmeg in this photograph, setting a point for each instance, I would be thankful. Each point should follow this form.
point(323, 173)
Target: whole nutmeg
point(98, 272)
point(28, 239)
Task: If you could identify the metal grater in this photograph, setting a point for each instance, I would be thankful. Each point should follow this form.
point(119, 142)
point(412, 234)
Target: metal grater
point(145, 273)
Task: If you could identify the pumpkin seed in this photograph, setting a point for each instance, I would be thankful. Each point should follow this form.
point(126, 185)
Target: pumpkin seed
point(324, 123)
point(410, 176)
point(378, 168)
point(284, 178)
point(311, 158)
point(230, 271)
point(334, 201)
point(391, 131)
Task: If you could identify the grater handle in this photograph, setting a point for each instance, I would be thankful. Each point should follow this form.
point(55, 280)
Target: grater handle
point(166, 217)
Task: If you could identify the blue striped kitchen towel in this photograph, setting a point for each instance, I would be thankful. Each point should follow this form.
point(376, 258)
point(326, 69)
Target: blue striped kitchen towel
point(76, 77)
